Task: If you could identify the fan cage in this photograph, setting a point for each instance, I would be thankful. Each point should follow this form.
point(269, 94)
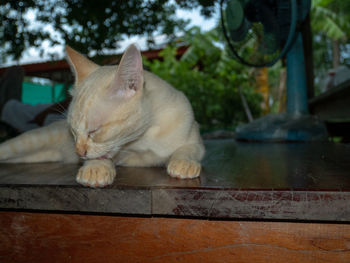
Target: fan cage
point(251, 50)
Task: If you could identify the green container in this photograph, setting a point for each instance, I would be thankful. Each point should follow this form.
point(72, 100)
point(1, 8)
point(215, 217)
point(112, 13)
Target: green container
point(33, 93)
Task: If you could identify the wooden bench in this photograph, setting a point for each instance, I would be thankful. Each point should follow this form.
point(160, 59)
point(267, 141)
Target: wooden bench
point(254, 202)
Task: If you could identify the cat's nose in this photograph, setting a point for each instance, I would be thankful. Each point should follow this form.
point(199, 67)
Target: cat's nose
point(81, 149)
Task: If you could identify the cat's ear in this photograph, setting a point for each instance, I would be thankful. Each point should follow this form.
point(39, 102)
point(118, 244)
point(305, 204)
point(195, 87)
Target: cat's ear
point(129, 76)
point(80, 65)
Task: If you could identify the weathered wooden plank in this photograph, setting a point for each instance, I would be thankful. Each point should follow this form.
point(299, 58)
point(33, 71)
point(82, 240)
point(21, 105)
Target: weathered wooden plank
point(54, 198)
point(297, 181)
point(35, 237)
point(250, 204)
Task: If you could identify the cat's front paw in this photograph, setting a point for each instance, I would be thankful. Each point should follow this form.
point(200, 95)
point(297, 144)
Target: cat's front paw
point(184, 169)
point(96, 173)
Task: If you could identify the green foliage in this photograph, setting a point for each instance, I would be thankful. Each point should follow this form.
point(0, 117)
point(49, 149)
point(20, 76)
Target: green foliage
point(209, 78)
point(331, 18)
point(89, 26)
point(331, 31)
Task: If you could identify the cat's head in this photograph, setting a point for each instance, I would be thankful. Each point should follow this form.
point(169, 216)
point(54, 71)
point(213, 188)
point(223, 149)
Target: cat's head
point(106, 111)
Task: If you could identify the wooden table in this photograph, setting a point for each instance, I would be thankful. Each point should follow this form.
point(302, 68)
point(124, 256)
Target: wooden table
point(254, 202)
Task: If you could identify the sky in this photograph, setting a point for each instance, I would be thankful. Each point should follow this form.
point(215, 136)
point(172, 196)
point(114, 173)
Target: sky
point(31, 55)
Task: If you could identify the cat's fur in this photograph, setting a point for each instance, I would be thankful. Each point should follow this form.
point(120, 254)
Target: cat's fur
point(119, 115)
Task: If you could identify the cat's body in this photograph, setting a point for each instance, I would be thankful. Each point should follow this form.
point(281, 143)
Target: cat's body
point(119, 115)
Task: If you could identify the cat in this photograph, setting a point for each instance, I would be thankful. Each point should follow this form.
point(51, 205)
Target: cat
point(119, 116)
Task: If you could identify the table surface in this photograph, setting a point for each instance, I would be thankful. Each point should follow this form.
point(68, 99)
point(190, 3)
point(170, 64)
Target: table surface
point(283, 181)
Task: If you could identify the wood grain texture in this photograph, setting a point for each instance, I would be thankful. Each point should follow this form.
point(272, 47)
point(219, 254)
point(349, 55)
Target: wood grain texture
point(35, 237)
point(294, 181)
point(250, 204)
point(83, 199)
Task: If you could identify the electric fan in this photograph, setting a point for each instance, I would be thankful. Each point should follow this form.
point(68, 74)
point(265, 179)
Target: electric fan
point(259, 33)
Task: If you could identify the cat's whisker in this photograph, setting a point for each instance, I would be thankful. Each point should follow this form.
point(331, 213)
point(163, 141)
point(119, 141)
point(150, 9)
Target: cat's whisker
point(62, 107)
point(61, 113)
point(64, 113)
point(62, 110)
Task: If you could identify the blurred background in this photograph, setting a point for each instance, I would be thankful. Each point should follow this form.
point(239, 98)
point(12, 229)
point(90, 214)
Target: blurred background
point(181, 41)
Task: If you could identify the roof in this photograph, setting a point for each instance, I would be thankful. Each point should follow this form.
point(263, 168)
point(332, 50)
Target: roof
point(59, 70)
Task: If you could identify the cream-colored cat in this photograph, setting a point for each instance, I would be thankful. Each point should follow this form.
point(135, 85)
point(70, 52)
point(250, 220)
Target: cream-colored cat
point(119, 115)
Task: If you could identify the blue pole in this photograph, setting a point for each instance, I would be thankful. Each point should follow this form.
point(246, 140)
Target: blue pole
point(296, 79)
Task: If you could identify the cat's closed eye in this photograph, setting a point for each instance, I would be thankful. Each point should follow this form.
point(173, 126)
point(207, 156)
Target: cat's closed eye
point(92, 132)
